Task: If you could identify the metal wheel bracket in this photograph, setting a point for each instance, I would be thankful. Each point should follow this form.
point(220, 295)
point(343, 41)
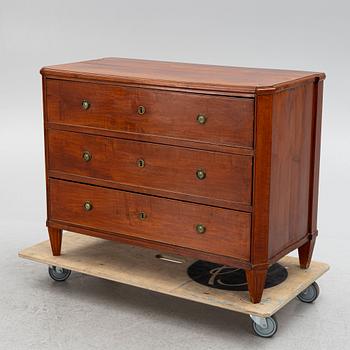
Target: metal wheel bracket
point(57, 268)
point(261, 321)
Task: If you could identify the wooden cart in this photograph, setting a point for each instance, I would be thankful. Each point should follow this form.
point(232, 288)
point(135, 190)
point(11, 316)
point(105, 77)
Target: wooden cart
point(151, 270)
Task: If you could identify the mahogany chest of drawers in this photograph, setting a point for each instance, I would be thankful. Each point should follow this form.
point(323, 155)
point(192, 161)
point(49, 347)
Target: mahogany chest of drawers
point(216, 163)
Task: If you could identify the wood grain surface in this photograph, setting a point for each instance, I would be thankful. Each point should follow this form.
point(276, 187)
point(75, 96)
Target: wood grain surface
point(227, 232)
point(168, 169)
point(290, 166)
point(229, 120)
point(180, 75)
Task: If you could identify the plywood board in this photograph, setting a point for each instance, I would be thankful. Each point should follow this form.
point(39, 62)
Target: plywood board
point(142, 268)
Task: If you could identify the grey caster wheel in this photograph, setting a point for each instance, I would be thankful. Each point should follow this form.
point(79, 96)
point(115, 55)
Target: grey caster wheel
point(310, 294)
point(59, 274)
point(264, 327)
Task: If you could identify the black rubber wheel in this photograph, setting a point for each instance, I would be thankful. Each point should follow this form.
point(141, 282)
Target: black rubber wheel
point(310, 294)
point(269, 330)
point(59, 274)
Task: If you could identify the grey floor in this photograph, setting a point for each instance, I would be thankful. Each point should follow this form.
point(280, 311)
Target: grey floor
point(91, 313)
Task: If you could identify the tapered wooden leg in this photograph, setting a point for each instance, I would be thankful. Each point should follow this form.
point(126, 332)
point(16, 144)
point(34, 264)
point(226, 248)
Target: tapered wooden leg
point(55, 235)
point(305, 253)
point(256, 283)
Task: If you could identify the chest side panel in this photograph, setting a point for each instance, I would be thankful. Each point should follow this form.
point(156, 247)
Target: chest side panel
point(292, 129)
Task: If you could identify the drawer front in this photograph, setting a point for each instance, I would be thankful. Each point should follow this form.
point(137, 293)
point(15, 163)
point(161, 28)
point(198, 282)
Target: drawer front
point(171, 169)
point(224, 120)
point(223, 231)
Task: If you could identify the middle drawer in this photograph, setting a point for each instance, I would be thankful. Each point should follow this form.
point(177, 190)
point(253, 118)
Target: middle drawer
point(169, 170)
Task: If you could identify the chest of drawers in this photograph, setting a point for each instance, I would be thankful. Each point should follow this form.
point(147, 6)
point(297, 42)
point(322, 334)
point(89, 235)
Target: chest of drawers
point(216, 163)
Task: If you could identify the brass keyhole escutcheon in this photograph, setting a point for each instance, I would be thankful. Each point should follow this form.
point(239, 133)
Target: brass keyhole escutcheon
point(142, 215)
point(88, 206)
point(200, 228)
point(85, 104)
point(201, 119)
point(87, 156)
point(201, 174)
point(141, 110)
point(141, 163)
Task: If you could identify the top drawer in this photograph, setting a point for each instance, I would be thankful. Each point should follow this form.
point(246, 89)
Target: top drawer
point(188, 116)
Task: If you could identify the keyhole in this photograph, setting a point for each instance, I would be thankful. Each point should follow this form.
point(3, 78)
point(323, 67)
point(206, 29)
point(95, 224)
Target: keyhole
point(141, 163)
point(141, 110)
point(142, 215)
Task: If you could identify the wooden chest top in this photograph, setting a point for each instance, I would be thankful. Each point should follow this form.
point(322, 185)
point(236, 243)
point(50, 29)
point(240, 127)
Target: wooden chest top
point(181, 75)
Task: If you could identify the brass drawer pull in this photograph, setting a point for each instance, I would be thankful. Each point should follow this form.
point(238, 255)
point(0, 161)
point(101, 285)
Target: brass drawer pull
point(141, 163)
point(85, 104)
point(200, 228)
point(87, 156)
point(200, 173)
point(201, 119)
point(88, 206)
point(141, 110)
point(142, 215)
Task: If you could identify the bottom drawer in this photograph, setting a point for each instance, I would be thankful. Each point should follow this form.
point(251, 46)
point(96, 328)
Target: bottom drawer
point(214, 230)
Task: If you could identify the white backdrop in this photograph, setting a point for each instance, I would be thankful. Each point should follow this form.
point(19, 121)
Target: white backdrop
point(303, 35)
